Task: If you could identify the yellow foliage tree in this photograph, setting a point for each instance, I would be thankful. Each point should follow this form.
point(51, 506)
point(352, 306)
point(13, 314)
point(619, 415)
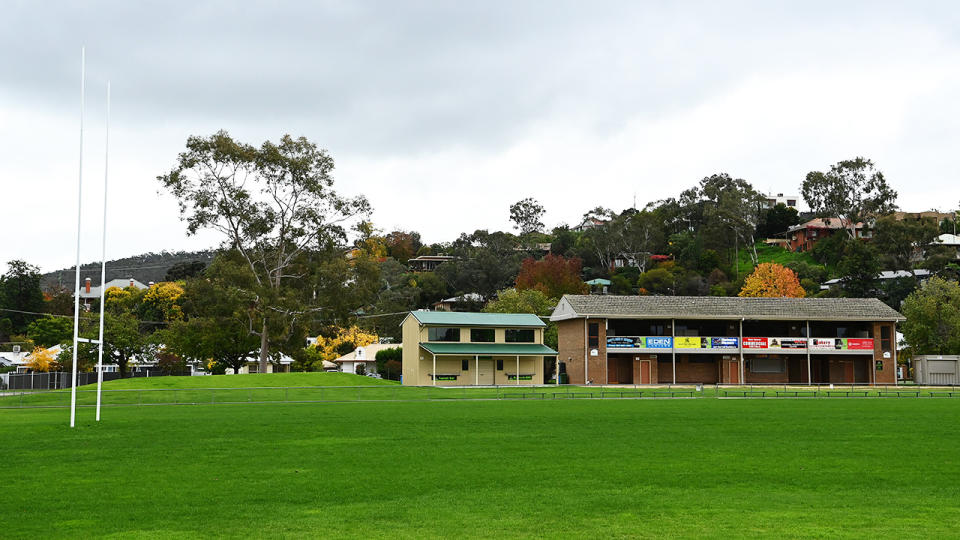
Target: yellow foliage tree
point(163, 299)
point(42, 360)
point(345, 340)
point(772, 280)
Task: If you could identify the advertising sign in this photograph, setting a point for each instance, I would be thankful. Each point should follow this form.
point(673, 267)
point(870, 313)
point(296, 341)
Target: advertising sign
point(659, 342)
point(634, 342)
point(688, 343)
point(792, 343)
point(822, 343)
point(754, 343)
point(621, 342)
point(723, 343)
point(842, 344)
point(859, 344)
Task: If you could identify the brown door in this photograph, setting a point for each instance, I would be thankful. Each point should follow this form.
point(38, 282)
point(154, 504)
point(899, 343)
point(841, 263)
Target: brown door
point(795, 369)
point(644, 372)
point(848, 372)
point(626, 370)
point(734, 373)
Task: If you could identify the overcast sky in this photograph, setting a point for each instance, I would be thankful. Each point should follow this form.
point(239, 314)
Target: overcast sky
point(445, 113)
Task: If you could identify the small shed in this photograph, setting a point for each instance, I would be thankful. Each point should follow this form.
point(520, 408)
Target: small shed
point(936, 369)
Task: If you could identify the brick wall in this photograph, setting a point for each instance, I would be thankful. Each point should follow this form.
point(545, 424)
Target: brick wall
point(570, 347)
point(887, 375)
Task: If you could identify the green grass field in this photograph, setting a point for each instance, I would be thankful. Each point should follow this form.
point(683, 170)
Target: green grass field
point(586, 468)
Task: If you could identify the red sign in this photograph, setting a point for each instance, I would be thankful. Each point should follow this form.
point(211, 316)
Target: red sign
point(754, 343)
point(860, 344)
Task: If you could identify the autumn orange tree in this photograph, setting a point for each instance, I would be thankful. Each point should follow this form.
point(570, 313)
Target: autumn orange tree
point(554, 276)
point(772, 280)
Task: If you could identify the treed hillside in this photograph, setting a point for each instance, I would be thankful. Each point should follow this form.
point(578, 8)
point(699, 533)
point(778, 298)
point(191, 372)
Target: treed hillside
point(146, 267)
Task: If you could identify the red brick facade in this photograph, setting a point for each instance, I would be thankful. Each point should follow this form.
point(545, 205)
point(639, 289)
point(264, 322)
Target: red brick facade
point(725, 368)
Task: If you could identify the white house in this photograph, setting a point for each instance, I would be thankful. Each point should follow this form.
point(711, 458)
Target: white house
point(366, 355)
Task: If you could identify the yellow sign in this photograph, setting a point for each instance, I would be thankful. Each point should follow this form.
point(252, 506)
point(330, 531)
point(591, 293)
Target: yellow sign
point(686, 342)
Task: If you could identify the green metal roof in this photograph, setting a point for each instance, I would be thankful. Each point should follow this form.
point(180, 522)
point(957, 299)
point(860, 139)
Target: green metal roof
point(598, 281)
point(488, 349)
point(455, 318)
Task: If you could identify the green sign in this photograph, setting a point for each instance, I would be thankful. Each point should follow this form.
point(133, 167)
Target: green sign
point(522, 377)
point(445, 377)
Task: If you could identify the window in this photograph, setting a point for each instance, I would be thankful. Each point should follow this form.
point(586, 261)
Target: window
point(514, 335)
point(499, 365)
point(482, 335)
point(464, 365)
point(885, 338)
point(767, 365)
point(593, 334)
point(442, 333)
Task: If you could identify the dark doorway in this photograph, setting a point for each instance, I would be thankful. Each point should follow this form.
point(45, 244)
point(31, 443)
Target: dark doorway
point(619, 369)
point(795, 369)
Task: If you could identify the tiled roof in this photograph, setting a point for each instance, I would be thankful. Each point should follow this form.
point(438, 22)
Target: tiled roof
point(456, 318)
point(724, 307)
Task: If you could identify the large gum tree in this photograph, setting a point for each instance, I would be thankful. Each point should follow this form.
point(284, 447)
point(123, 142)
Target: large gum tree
point(277, 209)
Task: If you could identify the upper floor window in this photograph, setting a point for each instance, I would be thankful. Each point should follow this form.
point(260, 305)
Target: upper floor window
point(593, 335)
point(482, 335)
point(443, 333)
point(516, 335)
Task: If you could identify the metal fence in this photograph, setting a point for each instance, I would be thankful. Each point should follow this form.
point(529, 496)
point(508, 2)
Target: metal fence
point(383, 393)
point(57, 380)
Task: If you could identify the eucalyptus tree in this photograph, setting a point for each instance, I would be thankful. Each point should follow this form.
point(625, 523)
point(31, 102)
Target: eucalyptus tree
point(852, 190)
point(276, 207)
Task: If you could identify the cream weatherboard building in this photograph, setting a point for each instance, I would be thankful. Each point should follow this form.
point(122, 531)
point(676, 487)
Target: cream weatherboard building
point(442, 348)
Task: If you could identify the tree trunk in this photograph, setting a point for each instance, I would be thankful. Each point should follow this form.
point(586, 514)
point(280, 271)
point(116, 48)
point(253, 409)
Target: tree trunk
point(264, 345)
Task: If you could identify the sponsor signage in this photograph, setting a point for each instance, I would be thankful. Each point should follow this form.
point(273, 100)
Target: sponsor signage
point(687, 342)
point(723, 343)
point(754, 343)
point(786, 343)
point(634, 342)
point(842, 344)
point(858, 344)
point(659, 342)
point(624, 342)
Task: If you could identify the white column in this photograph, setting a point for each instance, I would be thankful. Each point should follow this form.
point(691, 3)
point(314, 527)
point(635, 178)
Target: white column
point(809, 364)
point(477, 365)
point(434, 368)
point(586, 350)
point(673, 348)
point(558, 369)
point(518, 369)
point(103, 262)
point(893, 347)
point(740, 364)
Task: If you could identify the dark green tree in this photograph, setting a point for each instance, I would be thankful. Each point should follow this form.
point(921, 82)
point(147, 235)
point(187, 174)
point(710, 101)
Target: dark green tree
point(526, 216)
point(852, 190)
point(49, 331)
point(933, 318)
point(276, 207)
point(20, 295)
point(184, 270)
point(775, 221)
point(859, 270)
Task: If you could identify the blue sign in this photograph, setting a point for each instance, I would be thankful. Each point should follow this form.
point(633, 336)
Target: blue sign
point(659, 342)
point(723, 343)
point(621, 342)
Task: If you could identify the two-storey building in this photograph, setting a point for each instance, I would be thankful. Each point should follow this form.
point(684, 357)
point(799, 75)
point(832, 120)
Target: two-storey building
point(443, 348)
point(693, 339)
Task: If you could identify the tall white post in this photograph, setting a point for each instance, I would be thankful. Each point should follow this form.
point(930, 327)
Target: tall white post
point(740, 363)
point(76, 286)
point(476, 359)
point(434, 368)
point(103, 261)
point(518, 369)
point(809, 343)
point(673, 348)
